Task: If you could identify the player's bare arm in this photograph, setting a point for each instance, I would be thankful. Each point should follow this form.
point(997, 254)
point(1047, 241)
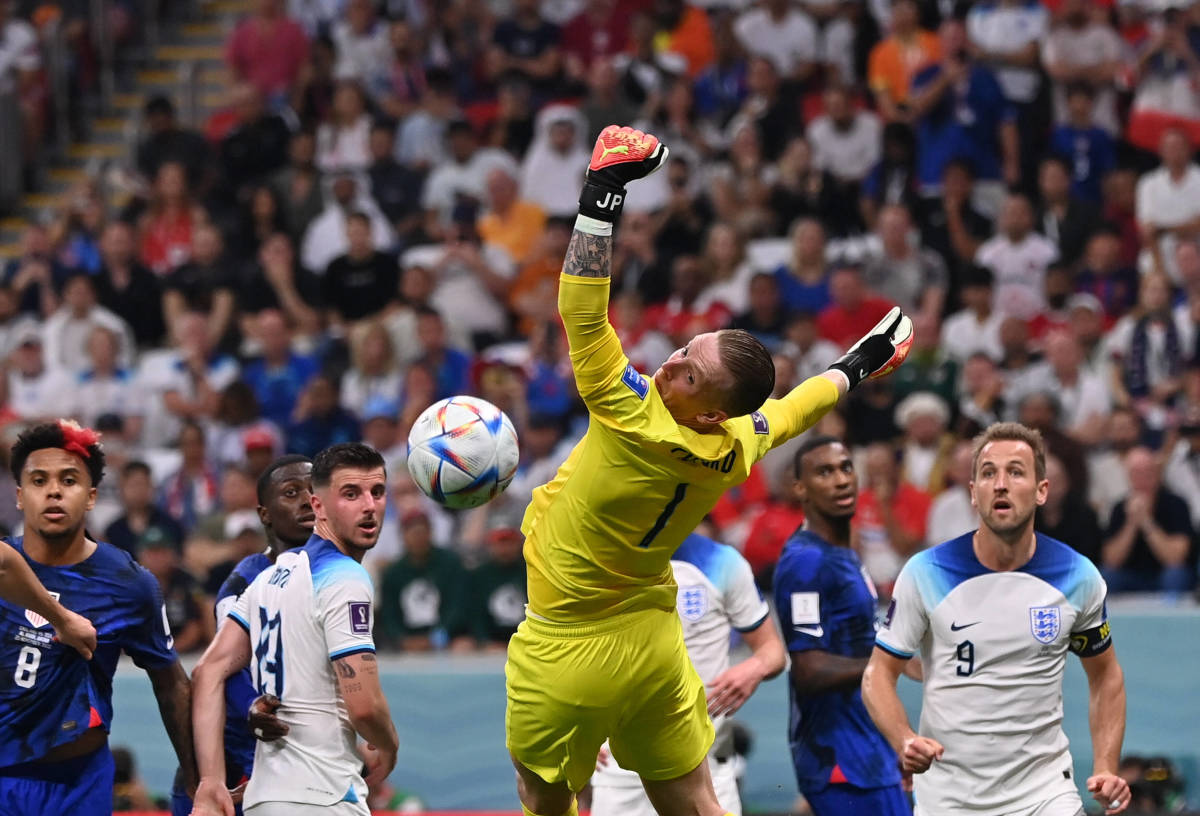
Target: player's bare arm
point(358, 682)
point(228, 653)
point(21, 587)
point(173, 691)
point(730, 690)
point(814, 671)
point(879, 680)
point(588, 256)
point(1106, 717)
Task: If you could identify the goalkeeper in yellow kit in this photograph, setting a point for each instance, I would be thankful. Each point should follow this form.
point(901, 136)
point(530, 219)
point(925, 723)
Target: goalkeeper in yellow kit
point(600, 653)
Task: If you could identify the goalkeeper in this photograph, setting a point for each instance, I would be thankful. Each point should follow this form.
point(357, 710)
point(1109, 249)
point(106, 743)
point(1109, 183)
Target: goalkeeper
point(600, 653)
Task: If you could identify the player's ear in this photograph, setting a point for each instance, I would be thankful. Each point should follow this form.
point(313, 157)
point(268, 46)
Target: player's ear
point(91, 498)
point(19, 507)
point(714, 417)
point(971, 493)
point(1043, 492)
point(262, 516)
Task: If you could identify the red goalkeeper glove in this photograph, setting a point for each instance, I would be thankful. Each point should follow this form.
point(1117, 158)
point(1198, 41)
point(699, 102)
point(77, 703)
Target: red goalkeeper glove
point(880, 350)
point(621, 155)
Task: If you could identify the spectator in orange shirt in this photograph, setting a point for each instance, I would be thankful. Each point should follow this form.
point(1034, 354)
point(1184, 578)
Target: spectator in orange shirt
point(684, 30)
point(854, 310)
point(895, 60)
point(533, 294)
point(510, 222)
point(891, 518)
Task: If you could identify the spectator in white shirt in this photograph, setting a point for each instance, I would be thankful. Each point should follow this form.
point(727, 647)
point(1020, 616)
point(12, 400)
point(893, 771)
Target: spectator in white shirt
point(1018, 258)
point(105, 387)
point(1007, 35)
point(559, 151)
point(783, 34)
point(460, 178)
point(975, 328)
point(1082, 396)
point(363, 45)
point(1168, 203)
point(66, 332)
point(1147, 354)
point(951, 514)
point(325, 238)
point(1183, 466)
point(344, 142)
point(35, 390)
point(846, 142)
point(1082, 48)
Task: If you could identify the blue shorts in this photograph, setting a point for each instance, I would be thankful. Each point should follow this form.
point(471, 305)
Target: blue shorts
point(843, 799)
point(82, 786)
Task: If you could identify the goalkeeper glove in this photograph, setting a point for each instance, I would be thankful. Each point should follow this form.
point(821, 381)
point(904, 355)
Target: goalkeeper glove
point(880, 351)
point(621, 155)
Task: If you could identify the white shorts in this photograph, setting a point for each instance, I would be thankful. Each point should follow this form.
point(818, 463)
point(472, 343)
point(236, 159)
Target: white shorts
point(1065, 804)
point(632, 801)
point(300, 809)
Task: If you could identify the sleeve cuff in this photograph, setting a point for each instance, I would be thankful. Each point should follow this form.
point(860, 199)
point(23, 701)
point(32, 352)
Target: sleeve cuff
point(239, 620)
point(755, 625)
point(892, 650)
point(351, 650)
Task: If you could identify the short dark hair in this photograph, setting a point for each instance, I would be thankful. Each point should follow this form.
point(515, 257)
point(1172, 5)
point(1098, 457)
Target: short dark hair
point(808, 446)
point(1011, 432)
point(135, 466)
point(159, 104)
point(264, 480)
point(344, 455)
point(359, 215)
point(749, 363)
point(83, 442)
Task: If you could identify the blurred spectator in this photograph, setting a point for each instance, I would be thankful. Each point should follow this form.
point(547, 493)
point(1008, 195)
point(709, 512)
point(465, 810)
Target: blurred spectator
point(381, 429)
point(12, 322)
point(772, 110)
point(604, 103)
point(592, 37)
point(343, 140)
point(1082, 51)
point(260, 217)
point(394, 186)
point(721, 88)
point(1066, 515)
point(770, 524)
point(1119, 190)
point(171, 215)
point(374, 373)
point(318, 421)
point(1155, 786)
point(298, 184)
point(66, 332)
point(1102, 275)
point(421, 141)
point(512, 223)
point(238, 428)
point(191, 492)
point(533, 295)
point(975, 328)
point(495, 596)
point(1085, 320)
point(419, 599)
point(558, 152)
point(35, 274)
point(280, 375)
point(471, 282)
point(404, 83)
point(925, 449)
point(315, 16)
point(1149, 536)
point(1165, 71)
point(913, 278)
point(895, 61)
point(327, 236)
point(451, 367)
point(960, 112)
point(35, 389)
point(460, 180)
point(1065, 219)
point(1082, 396)
point(1041, 410)
point(129, 791)
point(166, 141)
point(1168, 203)
point(811, 354)
point(363, 46)
point(276, 281)
point(202, 285)
point(782, 33)
point(727, 270)
point(929, 368)
point(846, 142)
point(244, 536)
point(256, 145)
point(362, 282)
point(981, 398)
point(891, 517)
point(804, 280)
point(1018, 258)
point(418, 393)
point(193, 374)
point(1183, 465)
point(528, 46)
point(684, 30)
point(681, 317)
point(644, 344)
point(951, 512)
point(311, 96)
point(853, 310)
point(20, 69)
point(184, 604)
point(105, 386)
point(1147, 354)
point(267, 49)
point(140, 511)
point(1089, 151)
point(550, 382)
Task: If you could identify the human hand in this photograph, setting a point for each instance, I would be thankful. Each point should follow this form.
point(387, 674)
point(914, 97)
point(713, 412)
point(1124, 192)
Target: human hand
point(263, 722)
point(379, 764)
point(1109, 790)
point(77, 632)
point(212, 799)
point(733, 687)
point(919, 753)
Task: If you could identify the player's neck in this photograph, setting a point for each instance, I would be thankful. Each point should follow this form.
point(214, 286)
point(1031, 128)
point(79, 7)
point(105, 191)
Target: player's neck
point(58, 553)
point(324, 532)
point(835, 531)
point(1005, 553)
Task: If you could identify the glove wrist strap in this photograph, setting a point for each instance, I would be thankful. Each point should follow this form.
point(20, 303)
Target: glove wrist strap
point(850, 365)
point(601, 202)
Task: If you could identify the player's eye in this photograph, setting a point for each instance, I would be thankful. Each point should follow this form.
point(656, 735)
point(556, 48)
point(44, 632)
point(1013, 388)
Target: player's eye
point(377, 491)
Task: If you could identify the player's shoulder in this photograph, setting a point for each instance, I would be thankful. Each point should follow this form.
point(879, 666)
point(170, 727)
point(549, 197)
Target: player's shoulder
point(936, 571)
point(327, 565)
point(718, 563)
point(123, 572)
point(1064, 568)
point(243, 575)
point(806, 553)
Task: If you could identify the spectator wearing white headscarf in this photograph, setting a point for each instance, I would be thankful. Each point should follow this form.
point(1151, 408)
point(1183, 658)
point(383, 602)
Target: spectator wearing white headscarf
point(556, 161)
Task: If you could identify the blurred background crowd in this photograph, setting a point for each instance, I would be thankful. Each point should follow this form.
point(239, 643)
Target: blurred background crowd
point(375, 216)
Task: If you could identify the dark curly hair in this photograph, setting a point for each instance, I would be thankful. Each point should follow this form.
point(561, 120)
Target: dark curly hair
point(64, 434)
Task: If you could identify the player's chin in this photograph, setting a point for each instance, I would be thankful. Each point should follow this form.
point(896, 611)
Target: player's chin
point(366, 535)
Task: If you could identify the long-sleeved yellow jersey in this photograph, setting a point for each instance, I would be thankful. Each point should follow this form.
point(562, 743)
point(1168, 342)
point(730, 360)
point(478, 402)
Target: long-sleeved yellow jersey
point(600, 534)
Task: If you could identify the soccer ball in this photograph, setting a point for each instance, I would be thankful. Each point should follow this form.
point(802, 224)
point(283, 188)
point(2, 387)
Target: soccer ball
point(462, 451)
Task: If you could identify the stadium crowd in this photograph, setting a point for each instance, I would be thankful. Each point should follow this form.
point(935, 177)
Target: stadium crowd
point(378, 218)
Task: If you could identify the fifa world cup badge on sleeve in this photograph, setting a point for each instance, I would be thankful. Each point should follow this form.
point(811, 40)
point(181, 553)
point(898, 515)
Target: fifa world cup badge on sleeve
point(635, 381)
point(360, 617)
point(760, 423)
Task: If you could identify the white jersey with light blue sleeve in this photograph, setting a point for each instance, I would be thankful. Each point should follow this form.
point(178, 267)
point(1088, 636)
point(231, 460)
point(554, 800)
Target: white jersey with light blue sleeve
point(993, 647)
point(313, 607)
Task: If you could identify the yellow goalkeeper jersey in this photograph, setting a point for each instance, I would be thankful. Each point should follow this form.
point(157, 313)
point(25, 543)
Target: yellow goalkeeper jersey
point(600, 534)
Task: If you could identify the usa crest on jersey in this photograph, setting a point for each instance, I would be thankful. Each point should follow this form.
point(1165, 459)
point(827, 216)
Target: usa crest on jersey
point(34, 618)
point(692, 603)
point(1044, 622)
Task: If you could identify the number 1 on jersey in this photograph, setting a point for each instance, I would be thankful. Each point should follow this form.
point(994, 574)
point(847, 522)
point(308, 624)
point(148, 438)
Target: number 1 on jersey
point(665, 515)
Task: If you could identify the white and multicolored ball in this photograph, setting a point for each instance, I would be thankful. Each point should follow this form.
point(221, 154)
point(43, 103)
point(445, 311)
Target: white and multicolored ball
point(462, 451)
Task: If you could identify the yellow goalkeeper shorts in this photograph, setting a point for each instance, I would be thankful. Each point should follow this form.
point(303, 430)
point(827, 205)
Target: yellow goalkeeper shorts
point(626, 679)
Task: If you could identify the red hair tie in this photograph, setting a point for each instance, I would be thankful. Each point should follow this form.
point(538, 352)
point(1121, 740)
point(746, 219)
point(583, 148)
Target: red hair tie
point(76, 438)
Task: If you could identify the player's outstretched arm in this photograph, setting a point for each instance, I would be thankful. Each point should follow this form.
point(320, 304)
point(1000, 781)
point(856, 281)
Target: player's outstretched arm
point(19, 586)
point(730, 690)
point(883, 670)
point(1106, 716)
point(358, 682)
point(228, 653)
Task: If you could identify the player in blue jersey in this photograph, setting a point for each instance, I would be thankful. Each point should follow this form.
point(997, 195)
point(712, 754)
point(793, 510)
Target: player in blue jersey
point(56, 710)
point(826, 606)
point(994, 613)
point(285, 508)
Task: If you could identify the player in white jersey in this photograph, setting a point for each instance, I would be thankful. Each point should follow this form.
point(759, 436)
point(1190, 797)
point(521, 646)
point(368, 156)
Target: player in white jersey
point(305, 631)
point(993, 614)
point(716, 595)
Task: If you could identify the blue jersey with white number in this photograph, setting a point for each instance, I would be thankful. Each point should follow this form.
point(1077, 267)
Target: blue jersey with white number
point(826, 601)
point(239, 689)
point(49, 695)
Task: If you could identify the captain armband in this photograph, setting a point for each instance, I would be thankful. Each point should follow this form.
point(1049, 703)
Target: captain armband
point(1091, 642)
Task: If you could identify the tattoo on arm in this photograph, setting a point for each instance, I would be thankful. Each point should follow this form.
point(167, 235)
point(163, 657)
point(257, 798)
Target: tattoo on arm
point(589, 256)
point(344, 669)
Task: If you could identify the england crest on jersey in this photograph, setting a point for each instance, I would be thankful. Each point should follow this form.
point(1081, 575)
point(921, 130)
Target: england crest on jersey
point(692, 603)
point(34, 618)
point(1044, 622)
